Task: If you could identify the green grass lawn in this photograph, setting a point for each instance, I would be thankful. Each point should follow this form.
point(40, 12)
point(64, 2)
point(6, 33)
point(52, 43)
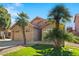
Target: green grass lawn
point(43, 50)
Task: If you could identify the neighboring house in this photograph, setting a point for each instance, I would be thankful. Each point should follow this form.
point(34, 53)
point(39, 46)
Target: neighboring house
point(5, 34)
point(34, 31)
point(71, 30)
point(76, 29)
point(76, 21)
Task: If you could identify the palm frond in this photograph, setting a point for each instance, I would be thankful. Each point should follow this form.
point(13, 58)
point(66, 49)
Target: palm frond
point(22, 19)
point(59, 12)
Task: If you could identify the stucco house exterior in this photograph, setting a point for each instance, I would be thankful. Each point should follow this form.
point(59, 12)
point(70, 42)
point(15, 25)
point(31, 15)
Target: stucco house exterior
point(5, 34)
point(76, 21)
point(34, 31)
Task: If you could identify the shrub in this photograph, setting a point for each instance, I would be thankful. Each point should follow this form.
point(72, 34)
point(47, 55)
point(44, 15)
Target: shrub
point(73, 38)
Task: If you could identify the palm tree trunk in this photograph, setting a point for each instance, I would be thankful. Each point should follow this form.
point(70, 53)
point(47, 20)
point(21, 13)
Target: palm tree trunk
point(57, 51)
point(57, 43)
point(57, 24)
point(24, 37)
point(57, 47)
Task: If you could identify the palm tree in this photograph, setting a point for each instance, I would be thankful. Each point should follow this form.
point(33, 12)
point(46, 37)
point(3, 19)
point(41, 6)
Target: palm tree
point(22, 22)
point(5, 19)
point(58, 14)
point(58, 37)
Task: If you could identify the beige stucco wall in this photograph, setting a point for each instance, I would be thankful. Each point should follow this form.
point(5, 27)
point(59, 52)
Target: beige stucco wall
point(46, 29)
point(16, 33)
point(30, 33)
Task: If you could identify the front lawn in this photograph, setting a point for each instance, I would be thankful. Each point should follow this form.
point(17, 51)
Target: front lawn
point(43, 50)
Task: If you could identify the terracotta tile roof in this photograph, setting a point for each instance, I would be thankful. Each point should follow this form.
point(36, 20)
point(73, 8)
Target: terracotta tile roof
point(37, 22)
point(31, 25)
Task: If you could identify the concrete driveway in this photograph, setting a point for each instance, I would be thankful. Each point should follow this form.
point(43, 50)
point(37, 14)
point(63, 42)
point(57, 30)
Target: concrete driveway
point(9, 43)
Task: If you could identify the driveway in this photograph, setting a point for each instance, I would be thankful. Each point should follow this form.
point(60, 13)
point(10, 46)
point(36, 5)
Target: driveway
point(8, 43)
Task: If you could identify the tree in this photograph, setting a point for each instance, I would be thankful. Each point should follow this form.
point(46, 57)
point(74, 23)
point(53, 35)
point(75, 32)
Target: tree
point(22, 22)
point(5, 19)
point(58, 14)
point(57, 36)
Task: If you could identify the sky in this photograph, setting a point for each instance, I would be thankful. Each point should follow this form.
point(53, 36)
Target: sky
point(39, 9)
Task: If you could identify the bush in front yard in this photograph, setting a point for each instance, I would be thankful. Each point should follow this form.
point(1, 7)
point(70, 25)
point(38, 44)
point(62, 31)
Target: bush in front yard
point(73, 38)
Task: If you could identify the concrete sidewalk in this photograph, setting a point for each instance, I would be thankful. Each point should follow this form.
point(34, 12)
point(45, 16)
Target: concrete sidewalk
point(5, 39)
point(72, 44)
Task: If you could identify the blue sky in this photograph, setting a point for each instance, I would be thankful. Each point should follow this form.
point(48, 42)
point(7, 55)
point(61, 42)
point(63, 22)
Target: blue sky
point(38, 9)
